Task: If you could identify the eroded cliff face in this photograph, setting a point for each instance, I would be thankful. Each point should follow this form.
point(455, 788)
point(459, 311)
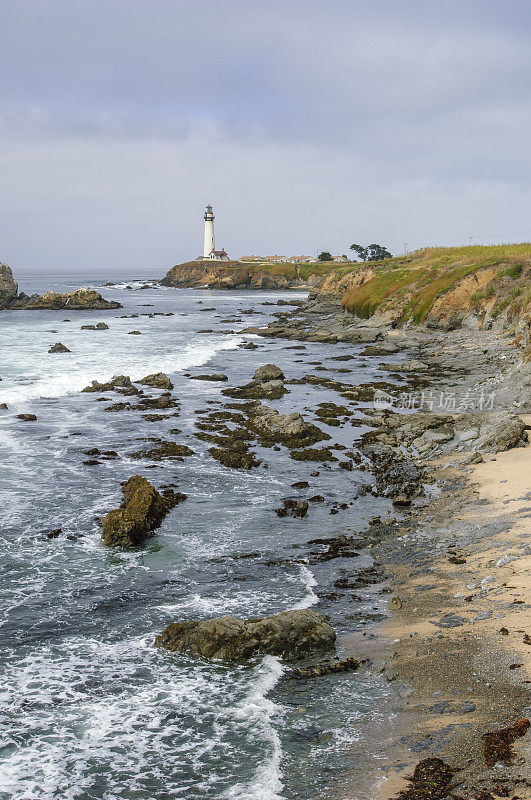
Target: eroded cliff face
point(338, 283)
point(8, 285)
point(235, 275)
point(439, 295)
point(456, 307)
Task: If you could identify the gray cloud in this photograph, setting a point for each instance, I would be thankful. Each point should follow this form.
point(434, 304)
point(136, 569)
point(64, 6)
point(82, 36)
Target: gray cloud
point(307, 124)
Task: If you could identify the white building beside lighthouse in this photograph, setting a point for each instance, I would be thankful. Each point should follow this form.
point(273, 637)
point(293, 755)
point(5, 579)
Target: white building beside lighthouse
point(209, 243)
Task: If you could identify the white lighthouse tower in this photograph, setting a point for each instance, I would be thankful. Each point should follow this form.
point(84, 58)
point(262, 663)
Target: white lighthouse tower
point(209, 246)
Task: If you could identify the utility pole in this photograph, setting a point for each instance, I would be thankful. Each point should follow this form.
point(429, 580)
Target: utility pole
point(405, 248)
point(470, 240)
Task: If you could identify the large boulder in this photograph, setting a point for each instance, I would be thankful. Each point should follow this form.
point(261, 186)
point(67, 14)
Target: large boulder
point(158, 380)
point(290, 634)
point(269, 372)
point(490, 432)
point(290, 429)
point(8, 285)
point(142, 510)
point(268, 383)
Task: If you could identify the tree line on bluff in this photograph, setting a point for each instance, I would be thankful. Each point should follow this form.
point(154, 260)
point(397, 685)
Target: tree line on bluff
point(373, 252)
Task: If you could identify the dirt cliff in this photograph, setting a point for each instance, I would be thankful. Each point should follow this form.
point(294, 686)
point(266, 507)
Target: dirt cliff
point(446, 288)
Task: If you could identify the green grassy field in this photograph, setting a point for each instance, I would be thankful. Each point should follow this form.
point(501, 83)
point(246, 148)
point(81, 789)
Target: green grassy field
point(424, 275)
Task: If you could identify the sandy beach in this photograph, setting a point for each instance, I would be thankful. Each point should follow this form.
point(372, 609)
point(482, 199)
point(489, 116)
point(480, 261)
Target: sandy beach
point(457, 640)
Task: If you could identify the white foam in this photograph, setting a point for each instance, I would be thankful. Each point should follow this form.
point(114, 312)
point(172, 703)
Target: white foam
point(79, 372)
point(204, 605)
point(148, 283)
point(197, 604)
point(80, 721)
point(310, 599)
point(259, 714)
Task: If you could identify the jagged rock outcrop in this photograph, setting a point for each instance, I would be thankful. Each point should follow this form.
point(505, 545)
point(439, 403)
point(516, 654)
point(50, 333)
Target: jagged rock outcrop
point(290, 429)
point(118, 383)
point(436, 434)
point(158, 380)
point(267, 384)
point(59, 347)
point(78, 300)
point(290, 634)
point(142, 510)
point(164, 450)
point(236, 275)
point(293, 508)
point(236, 455)
point(489, 433)
point(349, 664)
point(395, 474)
point(8, 285)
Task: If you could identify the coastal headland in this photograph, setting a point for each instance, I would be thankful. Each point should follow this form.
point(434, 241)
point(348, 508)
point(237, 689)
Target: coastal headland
point(238, 275)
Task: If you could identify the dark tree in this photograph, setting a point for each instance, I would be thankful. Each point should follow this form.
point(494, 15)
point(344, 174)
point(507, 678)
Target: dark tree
point(324, 256)
point(378, 253)
point(374, 252)
point(362, 252)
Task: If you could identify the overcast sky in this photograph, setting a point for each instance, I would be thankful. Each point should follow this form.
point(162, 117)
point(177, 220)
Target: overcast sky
point(308, 124)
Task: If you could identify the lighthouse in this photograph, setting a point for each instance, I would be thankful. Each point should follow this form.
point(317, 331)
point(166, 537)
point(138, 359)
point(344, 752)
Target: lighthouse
point(209, 247)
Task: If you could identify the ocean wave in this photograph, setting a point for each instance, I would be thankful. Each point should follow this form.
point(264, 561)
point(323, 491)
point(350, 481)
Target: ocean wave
point(259, 713)
point(90, 709)
point(310, 598)
point(78, 373)
point(136, 284)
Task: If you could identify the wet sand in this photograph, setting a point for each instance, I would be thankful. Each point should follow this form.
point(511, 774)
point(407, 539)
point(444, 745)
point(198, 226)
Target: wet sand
point(456, 640)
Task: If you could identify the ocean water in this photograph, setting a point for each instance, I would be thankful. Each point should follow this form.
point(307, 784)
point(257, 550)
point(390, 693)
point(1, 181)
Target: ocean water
point(88, 707)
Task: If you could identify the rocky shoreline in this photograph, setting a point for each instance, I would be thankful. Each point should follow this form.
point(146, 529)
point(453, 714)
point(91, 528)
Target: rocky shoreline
point(457, 644)
point(460, 678)
point(456, 405)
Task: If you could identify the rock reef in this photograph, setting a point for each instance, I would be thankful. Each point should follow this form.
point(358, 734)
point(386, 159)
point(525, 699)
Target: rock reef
point(290, 634)
point(79, 300)
point(142, 510)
